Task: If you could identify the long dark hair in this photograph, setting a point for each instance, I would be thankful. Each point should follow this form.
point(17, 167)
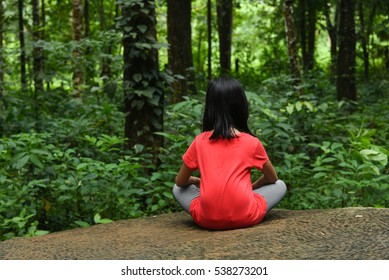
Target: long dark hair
point(226, 107)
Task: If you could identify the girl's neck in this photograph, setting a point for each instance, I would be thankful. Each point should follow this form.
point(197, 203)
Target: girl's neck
point(234, 130)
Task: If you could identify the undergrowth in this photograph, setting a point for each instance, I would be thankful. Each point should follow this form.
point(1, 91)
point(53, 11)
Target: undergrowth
point(68, 168)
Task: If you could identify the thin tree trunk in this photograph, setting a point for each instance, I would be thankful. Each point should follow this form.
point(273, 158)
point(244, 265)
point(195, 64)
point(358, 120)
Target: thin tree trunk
point(1, 50)
point(109, 85)
point(291, 39)
point(346, 84)
point(23, 79)
point(303, 31)
point(37, 57)
point(363, 41)
point(180, 50)
point(105, 69)
point(43, 38)
point(311, 34)
point(3, 102)
point(2, 98)
point(89, 67)
point(224, 22)
point(78, 74)
point(86, 18)
point(209, 29)
point(307, 33)
point(332, 33)
point(37, 49)
point(199, 49)
point(43, 19)
point(366, 30)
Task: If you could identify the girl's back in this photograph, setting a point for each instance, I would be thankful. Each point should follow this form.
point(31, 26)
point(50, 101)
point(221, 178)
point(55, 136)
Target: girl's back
point(226, 198)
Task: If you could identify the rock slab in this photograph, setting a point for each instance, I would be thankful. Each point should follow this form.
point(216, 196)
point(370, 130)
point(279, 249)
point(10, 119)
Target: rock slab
point(342, 234)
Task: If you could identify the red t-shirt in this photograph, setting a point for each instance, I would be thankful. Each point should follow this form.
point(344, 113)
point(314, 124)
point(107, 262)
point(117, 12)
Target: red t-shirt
point(226, 200)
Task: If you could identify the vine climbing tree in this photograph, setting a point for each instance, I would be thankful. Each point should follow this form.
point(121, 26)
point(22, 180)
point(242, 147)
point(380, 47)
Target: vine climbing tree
point(142, 80)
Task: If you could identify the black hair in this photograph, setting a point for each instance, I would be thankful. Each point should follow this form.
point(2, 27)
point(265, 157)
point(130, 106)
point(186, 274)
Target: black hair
point(226, 107)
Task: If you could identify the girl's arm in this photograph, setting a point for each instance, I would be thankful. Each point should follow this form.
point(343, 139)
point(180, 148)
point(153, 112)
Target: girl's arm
point(269, 176)
point(184, 177)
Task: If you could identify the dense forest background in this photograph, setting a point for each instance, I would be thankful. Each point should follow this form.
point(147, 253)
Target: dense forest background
point(99, 100)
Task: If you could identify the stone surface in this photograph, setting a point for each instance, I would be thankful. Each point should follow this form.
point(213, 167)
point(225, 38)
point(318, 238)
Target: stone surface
point(348, 233)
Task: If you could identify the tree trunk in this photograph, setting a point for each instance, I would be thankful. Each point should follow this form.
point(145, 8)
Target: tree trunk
point(2, 98)
point(78, 74)
point(386, 58)
point(209, 30)
point(307, 32)
point(363, 39)
point(89, 67)
point(332, 33)
point(142, 85)
point(110, 85)
point(346, 84)
point(37, 51)
point(303, 38)
point(370, 22)
point(180, 50)
point(1, 51)
point(23, 79)
point(86, 18)
point(105, 68)
point(311, 34)
point(43, 38)
point(199, 49)
point(3, 102)
point(291, 39)
point(43, 19)
point(365, 32)
point(224, 22)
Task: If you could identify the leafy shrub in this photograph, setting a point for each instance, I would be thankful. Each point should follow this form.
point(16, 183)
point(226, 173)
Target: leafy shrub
point(77, 173)
point(57, 188)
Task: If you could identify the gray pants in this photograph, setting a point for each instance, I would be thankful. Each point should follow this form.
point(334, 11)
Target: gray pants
point(272, 193)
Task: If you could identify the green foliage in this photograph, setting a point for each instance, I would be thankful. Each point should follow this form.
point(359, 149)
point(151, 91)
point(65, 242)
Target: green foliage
point(78, 168)
point(77, 173)
point(338, 158)
point(57, 187)
point(66, 165)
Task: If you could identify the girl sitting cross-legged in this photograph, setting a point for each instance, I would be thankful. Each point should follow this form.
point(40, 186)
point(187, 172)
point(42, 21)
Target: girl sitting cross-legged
point(224, 153)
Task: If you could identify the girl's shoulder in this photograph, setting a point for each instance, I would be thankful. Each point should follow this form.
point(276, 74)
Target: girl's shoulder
point(204, 135)
point(248, 136)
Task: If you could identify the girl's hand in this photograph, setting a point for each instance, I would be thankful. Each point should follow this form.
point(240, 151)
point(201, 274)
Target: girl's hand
point(195, 181)
point(184, 177)
point(269, 176)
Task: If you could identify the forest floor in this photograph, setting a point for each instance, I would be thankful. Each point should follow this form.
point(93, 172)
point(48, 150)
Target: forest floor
point(344, 233)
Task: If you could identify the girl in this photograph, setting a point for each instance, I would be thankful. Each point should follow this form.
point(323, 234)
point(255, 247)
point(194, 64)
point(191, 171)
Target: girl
point(224, 153)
